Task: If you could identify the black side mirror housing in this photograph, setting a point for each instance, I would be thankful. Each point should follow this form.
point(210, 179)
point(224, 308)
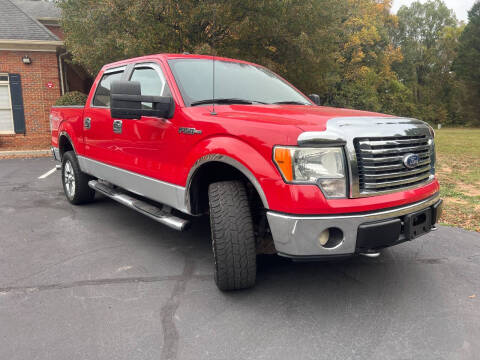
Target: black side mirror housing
point(315, 98)
point(126, 102)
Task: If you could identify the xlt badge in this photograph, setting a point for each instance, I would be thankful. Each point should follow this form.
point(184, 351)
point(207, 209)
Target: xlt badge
point(189, 131)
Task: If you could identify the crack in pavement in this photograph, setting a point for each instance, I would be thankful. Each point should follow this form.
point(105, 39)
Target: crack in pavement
point(170, 332)
point(97, 282)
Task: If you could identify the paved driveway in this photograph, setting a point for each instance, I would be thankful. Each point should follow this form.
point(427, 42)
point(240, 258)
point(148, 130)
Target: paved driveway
point(103, 282)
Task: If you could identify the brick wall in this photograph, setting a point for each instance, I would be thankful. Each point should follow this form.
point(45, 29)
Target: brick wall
point(37, 97)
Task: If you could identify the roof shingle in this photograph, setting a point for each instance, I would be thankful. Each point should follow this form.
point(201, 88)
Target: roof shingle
point(39, 9)
point(16, 24)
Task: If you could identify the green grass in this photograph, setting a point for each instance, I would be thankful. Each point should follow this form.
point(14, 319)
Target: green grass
point(458, 170)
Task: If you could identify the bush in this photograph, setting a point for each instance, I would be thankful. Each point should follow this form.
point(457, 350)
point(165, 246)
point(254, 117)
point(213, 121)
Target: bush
point(72, 98)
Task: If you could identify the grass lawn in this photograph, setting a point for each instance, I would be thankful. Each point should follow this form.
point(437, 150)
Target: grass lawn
point(458, 170)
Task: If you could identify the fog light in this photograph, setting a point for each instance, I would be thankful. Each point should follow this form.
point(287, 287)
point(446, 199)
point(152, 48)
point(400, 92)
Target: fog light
point(330, 238)
point(323, 237)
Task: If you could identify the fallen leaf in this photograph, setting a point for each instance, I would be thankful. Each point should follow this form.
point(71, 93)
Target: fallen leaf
point(472, 296)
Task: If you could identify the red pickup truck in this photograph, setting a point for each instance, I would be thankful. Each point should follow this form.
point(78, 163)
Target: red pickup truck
point(176, 136)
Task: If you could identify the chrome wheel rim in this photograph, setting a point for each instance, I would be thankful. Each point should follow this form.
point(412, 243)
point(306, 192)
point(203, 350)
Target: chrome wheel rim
point(69, 179)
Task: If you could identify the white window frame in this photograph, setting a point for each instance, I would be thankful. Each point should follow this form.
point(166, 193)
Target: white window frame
point(7, 82)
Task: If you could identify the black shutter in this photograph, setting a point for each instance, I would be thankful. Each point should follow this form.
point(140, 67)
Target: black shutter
point(17, 103)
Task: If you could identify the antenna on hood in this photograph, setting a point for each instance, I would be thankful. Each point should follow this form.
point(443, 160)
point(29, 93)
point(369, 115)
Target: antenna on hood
point(213, 112)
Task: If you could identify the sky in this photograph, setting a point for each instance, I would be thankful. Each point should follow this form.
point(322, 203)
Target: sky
point(460, 7)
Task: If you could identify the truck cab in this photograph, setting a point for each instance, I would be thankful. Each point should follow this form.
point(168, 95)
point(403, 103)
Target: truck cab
point(175, 136)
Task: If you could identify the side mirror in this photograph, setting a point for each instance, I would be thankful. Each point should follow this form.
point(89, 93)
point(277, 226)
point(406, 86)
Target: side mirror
point(315, 98)
point(127, 102)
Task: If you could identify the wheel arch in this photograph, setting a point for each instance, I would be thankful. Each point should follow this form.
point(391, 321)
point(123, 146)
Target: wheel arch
point(65, 144)
point(212, 168)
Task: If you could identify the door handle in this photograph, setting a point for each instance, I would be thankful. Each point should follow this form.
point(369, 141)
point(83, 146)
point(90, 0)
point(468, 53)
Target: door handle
point(117, 126)
point(87, 123)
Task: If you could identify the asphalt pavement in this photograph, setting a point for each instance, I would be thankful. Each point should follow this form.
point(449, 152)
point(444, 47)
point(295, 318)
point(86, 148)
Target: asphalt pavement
point(101, 281)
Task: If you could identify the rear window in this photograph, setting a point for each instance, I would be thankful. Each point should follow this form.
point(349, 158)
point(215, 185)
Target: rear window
point(102, 94)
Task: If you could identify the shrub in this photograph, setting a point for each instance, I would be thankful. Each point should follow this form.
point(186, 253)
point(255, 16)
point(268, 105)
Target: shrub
point(72, 98)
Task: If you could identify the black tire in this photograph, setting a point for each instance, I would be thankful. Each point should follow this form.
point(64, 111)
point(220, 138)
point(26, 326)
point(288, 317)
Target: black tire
point(233, 237)
point(80, 193)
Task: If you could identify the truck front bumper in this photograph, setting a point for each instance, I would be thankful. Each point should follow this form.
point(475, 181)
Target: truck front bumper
point(303, 236)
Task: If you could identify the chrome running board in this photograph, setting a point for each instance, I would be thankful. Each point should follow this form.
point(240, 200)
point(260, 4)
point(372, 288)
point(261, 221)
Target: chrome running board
point(371, 254)
point(162, 215)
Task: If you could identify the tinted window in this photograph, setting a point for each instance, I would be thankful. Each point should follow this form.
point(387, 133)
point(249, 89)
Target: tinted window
point(232, 80)
point(151, 82)
point(102, 95)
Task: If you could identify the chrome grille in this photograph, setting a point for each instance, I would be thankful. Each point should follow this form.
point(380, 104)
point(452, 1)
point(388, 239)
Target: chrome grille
point(380, 162)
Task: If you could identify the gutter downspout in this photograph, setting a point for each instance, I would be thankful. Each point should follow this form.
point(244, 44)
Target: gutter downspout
point(60, 63)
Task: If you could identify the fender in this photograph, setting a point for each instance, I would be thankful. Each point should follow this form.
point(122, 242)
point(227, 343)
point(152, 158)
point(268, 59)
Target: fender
point(226, 160)
point(226, 149)
point(65, 134)
point(76, 139)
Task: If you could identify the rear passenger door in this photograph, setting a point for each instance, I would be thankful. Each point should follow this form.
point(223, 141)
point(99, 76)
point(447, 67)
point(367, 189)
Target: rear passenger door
point(97, 122)
point(149, 143)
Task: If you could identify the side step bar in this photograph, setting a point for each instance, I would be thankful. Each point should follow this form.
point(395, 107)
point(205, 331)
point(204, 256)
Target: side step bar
point(158, 214)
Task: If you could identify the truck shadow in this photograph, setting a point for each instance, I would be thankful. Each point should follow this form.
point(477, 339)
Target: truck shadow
point(391, 274)
point(350, 282)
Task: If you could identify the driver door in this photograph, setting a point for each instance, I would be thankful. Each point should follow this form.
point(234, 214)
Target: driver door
point(148, 144)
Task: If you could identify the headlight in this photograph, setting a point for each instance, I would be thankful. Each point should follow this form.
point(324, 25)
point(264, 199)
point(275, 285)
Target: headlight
point(322, 166)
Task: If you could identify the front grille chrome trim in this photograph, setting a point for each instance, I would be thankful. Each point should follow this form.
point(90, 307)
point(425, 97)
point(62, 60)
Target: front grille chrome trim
point(378, 171)
point(392, 167)
point(396, 182)
point(396, 174)
point(384, 142)
point(392, 142)
point(406, 150)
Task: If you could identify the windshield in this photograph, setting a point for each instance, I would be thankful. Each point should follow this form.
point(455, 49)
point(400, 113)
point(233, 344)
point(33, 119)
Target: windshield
point(234, 83)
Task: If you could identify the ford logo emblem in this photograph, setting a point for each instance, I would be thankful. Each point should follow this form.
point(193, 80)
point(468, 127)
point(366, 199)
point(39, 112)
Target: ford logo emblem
point(411, 161)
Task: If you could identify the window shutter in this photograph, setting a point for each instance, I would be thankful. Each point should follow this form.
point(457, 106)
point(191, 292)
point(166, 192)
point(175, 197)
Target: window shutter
point(17, 103)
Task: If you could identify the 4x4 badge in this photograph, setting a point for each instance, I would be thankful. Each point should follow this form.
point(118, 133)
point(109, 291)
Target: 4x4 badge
point(189, 131)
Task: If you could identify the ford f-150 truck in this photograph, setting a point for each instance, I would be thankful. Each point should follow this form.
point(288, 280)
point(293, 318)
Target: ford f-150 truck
point(176, 136)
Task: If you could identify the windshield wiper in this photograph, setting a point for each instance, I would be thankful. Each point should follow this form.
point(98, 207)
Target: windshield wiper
point(289, 102)
point(222, 101)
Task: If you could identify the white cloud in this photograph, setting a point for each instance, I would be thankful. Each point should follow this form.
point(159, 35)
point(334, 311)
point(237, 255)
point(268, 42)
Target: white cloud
point(460, 7)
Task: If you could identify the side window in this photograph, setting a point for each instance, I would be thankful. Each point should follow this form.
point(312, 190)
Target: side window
point(152, 82)
point(102, 94)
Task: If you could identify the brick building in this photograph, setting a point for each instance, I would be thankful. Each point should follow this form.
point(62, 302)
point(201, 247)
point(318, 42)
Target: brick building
point(33, 72)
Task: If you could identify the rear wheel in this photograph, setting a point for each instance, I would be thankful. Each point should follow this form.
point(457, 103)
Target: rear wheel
point(233, 237)
point(75, 182)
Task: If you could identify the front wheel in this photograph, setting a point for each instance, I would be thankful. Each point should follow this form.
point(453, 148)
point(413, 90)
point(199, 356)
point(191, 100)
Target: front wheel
point(75, 182)
point(233, 237)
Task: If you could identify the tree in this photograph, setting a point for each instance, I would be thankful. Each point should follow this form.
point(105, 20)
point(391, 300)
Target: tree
point(353, 53)
point(275, 33)
point(467, 64)
point(366, 79)
point(427, 34)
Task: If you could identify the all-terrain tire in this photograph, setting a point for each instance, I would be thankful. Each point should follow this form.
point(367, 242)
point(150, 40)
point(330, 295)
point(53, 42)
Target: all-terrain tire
point(233, 237)
point(75, 182)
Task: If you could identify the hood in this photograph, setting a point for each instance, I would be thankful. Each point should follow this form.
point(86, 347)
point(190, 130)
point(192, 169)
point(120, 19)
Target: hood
point(306, 118)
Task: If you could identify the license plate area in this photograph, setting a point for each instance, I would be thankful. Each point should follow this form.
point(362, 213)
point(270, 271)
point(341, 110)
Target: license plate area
point(418, 223)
